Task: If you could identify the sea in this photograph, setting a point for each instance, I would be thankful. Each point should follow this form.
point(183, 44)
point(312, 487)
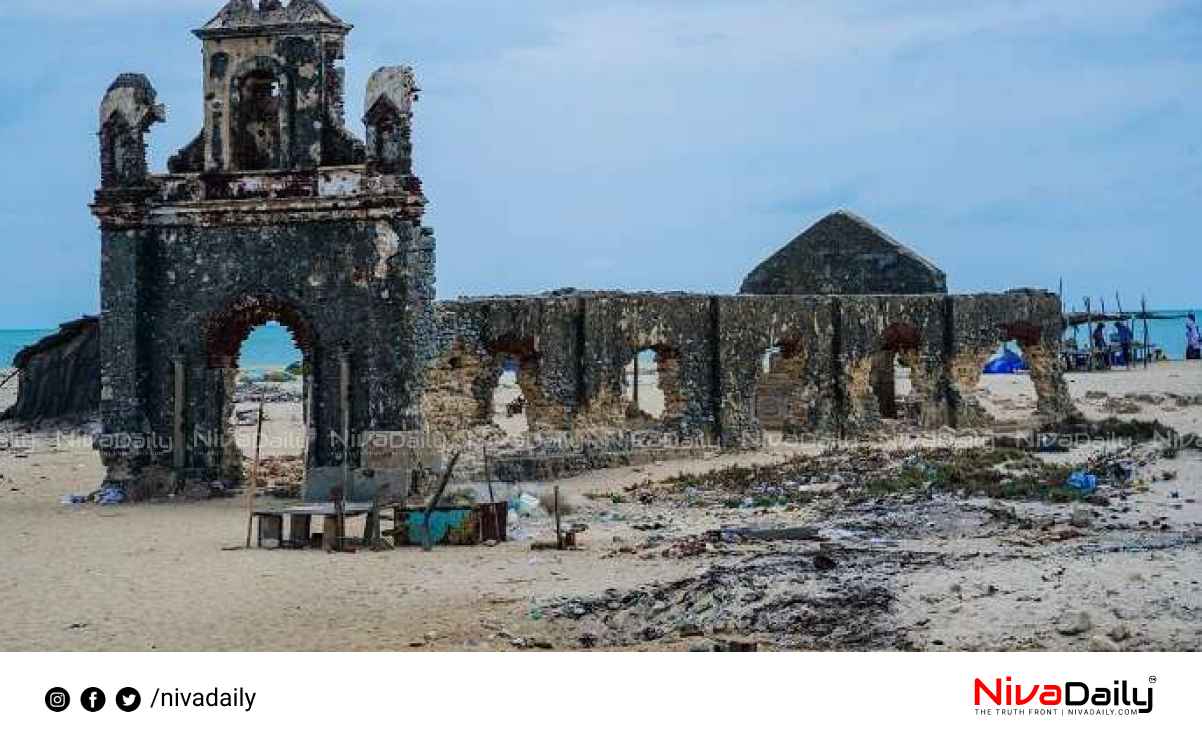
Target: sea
point(271, 346)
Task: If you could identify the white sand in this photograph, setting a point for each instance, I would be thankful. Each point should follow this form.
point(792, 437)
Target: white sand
point(156, 576)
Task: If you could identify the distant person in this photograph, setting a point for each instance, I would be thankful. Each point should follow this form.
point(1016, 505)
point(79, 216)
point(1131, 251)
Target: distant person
point(1193, 341)
point(1126, 341)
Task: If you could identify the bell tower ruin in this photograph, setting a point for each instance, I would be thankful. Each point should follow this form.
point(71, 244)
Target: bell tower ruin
point(274, 212)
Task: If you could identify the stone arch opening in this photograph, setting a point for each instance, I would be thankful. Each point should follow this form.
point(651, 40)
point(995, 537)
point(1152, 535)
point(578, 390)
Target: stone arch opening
point(779, 400)
point(286, 381)
point(651, 385)
point(513, 397)
point(1027, 393)
point(895, 371)
point(261, 105)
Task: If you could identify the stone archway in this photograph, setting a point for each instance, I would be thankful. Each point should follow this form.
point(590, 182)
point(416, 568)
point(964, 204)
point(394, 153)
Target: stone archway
point(520, 357)
point(224, 334)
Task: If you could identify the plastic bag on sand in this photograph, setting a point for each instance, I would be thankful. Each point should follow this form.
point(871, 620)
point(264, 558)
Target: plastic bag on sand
point(73, 500)
point(528, 506)
point(111, 497)
point(515, 531)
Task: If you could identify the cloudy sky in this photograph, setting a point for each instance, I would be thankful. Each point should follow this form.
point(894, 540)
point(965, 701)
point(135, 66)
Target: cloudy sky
point(672, 144)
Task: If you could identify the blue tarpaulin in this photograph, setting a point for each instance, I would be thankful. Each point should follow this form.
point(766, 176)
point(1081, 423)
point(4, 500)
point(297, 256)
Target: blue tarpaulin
point(1008, 363)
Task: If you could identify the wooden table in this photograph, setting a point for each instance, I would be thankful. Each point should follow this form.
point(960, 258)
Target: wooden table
point(300, 523)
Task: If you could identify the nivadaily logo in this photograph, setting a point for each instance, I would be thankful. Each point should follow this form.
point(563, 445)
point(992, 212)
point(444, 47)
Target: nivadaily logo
point(1065, 698)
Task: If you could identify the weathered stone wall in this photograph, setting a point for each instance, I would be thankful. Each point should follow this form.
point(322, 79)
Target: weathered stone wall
point(577, 347)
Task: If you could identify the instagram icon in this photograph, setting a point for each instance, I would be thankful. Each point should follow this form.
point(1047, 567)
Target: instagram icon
point(57, 699)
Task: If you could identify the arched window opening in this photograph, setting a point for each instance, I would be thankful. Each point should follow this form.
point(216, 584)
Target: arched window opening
point(257, 135)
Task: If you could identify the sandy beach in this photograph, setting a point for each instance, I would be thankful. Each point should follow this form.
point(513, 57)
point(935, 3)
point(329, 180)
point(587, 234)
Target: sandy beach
point(959, 576)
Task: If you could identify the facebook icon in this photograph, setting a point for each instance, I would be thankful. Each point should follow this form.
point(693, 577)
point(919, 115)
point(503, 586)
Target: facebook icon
point(92, 699)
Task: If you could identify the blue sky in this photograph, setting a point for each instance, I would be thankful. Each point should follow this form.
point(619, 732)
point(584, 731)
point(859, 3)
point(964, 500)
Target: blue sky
point(673, 144)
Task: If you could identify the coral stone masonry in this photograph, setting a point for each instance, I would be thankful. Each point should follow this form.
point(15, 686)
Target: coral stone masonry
point(279, 211)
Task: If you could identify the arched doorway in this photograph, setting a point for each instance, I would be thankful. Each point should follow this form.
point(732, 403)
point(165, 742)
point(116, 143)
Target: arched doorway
point(277, 373)
point(513, 398)
point(896, 376)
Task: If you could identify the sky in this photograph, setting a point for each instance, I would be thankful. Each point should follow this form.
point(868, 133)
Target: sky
point(672, 145)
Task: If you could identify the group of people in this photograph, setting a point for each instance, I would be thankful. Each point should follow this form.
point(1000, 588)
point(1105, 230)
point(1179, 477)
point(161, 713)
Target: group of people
point(1126, 342)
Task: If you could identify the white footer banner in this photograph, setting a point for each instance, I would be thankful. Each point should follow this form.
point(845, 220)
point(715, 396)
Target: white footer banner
point(135, 697)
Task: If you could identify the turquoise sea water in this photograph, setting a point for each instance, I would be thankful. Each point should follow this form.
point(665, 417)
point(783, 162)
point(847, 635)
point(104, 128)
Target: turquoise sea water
point(271, 346)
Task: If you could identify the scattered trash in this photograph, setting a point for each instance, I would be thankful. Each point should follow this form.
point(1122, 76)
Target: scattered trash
point(528, 506)
point(1083, 481)
point(111, 496)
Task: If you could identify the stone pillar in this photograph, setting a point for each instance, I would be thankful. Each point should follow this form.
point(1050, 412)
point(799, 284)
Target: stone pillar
point(179, 446)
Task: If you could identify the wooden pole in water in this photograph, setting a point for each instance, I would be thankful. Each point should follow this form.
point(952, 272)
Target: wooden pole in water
point(1093, 347)
point(1063, 328)
point(1143, 302)
point(253, 491)
point(1119, 302)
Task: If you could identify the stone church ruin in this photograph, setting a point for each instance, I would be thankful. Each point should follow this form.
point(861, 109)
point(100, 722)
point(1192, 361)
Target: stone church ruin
point(278, 212)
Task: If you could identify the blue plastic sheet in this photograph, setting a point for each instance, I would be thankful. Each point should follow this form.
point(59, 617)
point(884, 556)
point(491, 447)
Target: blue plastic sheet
point(1083, 481)
point(1008, 363)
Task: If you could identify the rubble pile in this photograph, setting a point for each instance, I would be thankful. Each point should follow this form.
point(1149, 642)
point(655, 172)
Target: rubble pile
point(827, 599)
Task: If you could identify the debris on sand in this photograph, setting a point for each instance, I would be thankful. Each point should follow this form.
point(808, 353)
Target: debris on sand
point(828, 600)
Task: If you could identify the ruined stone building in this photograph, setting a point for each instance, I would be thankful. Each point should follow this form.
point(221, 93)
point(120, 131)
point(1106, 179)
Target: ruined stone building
point(59, 374)
point(278, 211)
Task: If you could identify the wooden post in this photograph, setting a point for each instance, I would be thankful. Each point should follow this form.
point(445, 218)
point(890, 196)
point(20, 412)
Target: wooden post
point(492, 498)
point(1119, 303)
point(1093, 347)
point(427, 540)
point(1143, 303)
point(558, 524)
point(253, 491)
point(179, 446)
point(1063, 327)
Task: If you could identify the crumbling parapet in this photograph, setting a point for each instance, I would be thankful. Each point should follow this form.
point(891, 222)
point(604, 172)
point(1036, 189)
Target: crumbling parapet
point(391, 92)
point(127, 112)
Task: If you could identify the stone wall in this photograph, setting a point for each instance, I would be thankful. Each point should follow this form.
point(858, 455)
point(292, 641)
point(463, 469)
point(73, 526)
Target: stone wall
point(573, 349)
